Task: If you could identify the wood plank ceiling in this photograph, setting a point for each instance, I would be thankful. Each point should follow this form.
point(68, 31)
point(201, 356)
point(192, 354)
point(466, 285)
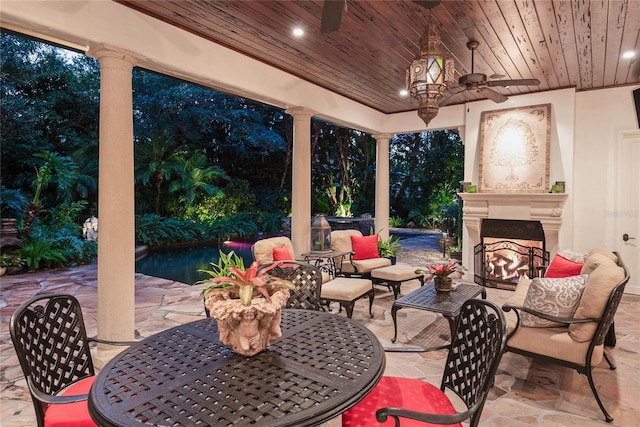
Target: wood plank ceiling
point(561, 43)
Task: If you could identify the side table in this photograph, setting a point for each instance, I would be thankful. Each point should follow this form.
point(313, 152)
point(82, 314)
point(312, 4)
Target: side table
point(325, 261)
point(427, 298)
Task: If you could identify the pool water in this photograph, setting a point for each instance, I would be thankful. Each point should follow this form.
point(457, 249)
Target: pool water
point(182, 264)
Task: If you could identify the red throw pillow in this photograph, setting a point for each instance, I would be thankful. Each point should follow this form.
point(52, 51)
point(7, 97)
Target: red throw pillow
point(365, 247)
point(282, 254)
point(562, 267)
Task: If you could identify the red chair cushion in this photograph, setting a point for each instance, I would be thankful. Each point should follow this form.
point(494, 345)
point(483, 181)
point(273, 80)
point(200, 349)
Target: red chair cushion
point(365, 247)
point(282, 254)
point(396, 392)
point(562, 267)
point(71, 414)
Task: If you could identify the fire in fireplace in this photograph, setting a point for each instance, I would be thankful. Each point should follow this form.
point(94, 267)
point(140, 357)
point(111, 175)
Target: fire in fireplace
point(509, 251)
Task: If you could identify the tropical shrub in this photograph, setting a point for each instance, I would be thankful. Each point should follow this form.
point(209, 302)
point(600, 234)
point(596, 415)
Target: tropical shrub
point(42, 254)
point(13, 202)
point(240, 225)
point(154, 230)
point(396, 221)
point(421, 217)
point(268, 222)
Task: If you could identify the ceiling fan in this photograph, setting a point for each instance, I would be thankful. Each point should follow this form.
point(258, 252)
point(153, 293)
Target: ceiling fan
point(480, 83)
point(332, 12)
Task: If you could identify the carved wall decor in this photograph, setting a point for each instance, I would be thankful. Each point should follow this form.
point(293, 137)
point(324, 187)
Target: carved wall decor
point(514, 150)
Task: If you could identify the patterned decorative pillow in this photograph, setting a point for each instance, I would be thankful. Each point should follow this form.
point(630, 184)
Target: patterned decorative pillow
point(573, 256)
point(557, 297)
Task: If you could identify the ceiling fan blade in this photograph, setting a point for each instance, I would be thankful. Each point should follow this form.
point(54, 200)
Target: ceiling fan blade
point(516, 82)
point(427, 4)
point(332, 15)
point(450, 94)
point(492, 94)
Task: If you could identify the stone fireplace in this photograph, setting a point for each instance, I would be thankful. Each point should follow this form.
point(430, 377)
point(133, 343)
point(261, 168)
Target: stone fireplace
point(542, 209)
point(509, 251)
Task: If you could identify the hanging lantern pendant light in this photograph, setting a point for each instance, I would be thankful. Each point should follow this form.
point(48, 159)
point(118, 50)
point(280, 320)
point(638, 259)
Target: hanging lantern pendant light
point(429, 74)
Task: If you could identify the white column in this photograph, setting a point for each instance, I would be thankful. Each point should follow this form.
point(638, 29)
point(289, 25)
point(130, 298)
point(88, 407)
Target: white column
point(382, 185)
point(301, 180)
point(116, 234)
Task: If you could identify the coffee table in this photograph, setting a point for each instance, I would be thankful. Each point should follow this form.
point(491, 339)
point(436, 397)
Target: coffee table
point(427, 298)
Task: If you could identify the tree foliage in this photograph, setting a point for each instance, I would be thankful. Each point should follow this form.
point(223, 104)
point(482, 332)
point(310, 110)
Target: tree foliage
point(214, 161)
point(426, 169)
point(343, 170)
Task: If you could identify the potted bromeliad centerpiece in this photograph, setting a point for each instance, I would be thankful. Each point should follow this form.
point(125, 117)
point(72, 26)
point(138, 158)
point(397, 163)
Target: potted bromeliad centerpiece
point(247, 320)
point(442, 280)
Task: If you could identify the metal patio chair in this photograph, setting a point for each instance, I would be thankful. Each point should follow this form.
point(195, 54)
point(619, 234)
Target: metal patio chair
point(51, 342)
point(474, 355)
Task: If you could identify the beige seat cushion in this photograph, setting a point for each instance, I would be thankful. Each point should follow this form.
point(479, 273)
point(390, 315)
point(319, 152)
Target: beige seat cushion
point(263, 249)
point(596, 260)
point(613, 257)
point(396, 273)
point(365, 265)
point(341, 239)
point(596, 293)
point(552, 342)
point(345, 289)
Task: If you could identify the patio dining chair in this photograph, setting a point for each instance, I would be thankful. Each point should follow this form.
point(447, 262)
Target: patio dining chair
point(51, 342)
point(474, 355)
point(307, 280)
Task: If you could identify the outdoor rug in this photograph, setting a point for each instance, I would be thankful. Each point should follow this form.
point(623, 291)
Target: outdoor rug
point(418, 330)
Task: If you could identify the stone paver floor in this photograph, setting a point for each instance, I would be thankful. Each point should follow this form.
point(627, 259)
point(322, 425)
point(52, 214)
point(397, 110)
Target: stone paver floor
point(526, 393)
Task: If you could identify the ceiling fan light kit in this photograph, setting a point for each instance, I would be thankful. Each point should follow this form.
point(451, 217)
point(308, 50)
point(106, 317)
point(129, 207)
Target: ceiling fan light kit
point(429, 74)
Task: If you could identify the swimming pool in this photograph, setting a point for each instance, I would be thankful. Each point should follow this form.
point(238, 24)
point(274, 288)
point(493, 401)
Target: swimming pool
point(182, 264)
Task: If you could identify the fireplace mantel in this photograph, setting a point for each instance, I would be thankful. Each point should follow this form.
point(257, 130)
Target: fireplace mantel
point(543, 207)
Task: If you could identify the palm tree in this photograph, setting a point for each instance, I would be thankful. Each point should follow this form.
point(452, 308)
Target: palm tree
point(155, 161)
point(194, 176)
point(58, 169)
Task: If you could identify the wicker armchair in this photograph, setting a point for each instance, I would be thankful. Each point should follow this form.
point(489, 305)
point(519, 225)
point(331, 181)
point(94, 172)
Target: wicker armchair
point(307, 280)
point(51, 342)
point(474, 355)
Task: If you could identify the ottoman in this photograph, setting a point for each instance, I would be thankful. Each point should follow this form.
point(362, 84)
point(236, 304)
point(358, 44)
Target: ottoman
point(346, 291)
point(393, 276)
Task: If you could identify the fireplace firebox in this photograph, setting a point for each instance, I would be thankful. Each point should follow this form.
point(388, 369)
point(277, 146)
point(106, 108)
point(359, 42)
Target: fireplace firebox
point(509, 251)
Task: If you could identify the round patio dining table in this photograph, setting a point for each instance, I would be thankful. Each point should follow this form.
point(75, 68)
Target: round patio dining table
point(323, 365)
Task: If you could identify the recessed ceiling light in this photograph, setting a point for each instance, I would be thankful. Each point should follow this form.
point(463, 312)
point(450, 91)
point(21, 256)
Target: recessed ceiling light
point(629, 54)
point(403, 92)
point(298, 32)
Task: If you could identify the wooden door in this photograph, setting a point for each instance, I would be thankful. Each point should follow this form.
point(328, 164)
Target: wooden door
point(627, 210)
